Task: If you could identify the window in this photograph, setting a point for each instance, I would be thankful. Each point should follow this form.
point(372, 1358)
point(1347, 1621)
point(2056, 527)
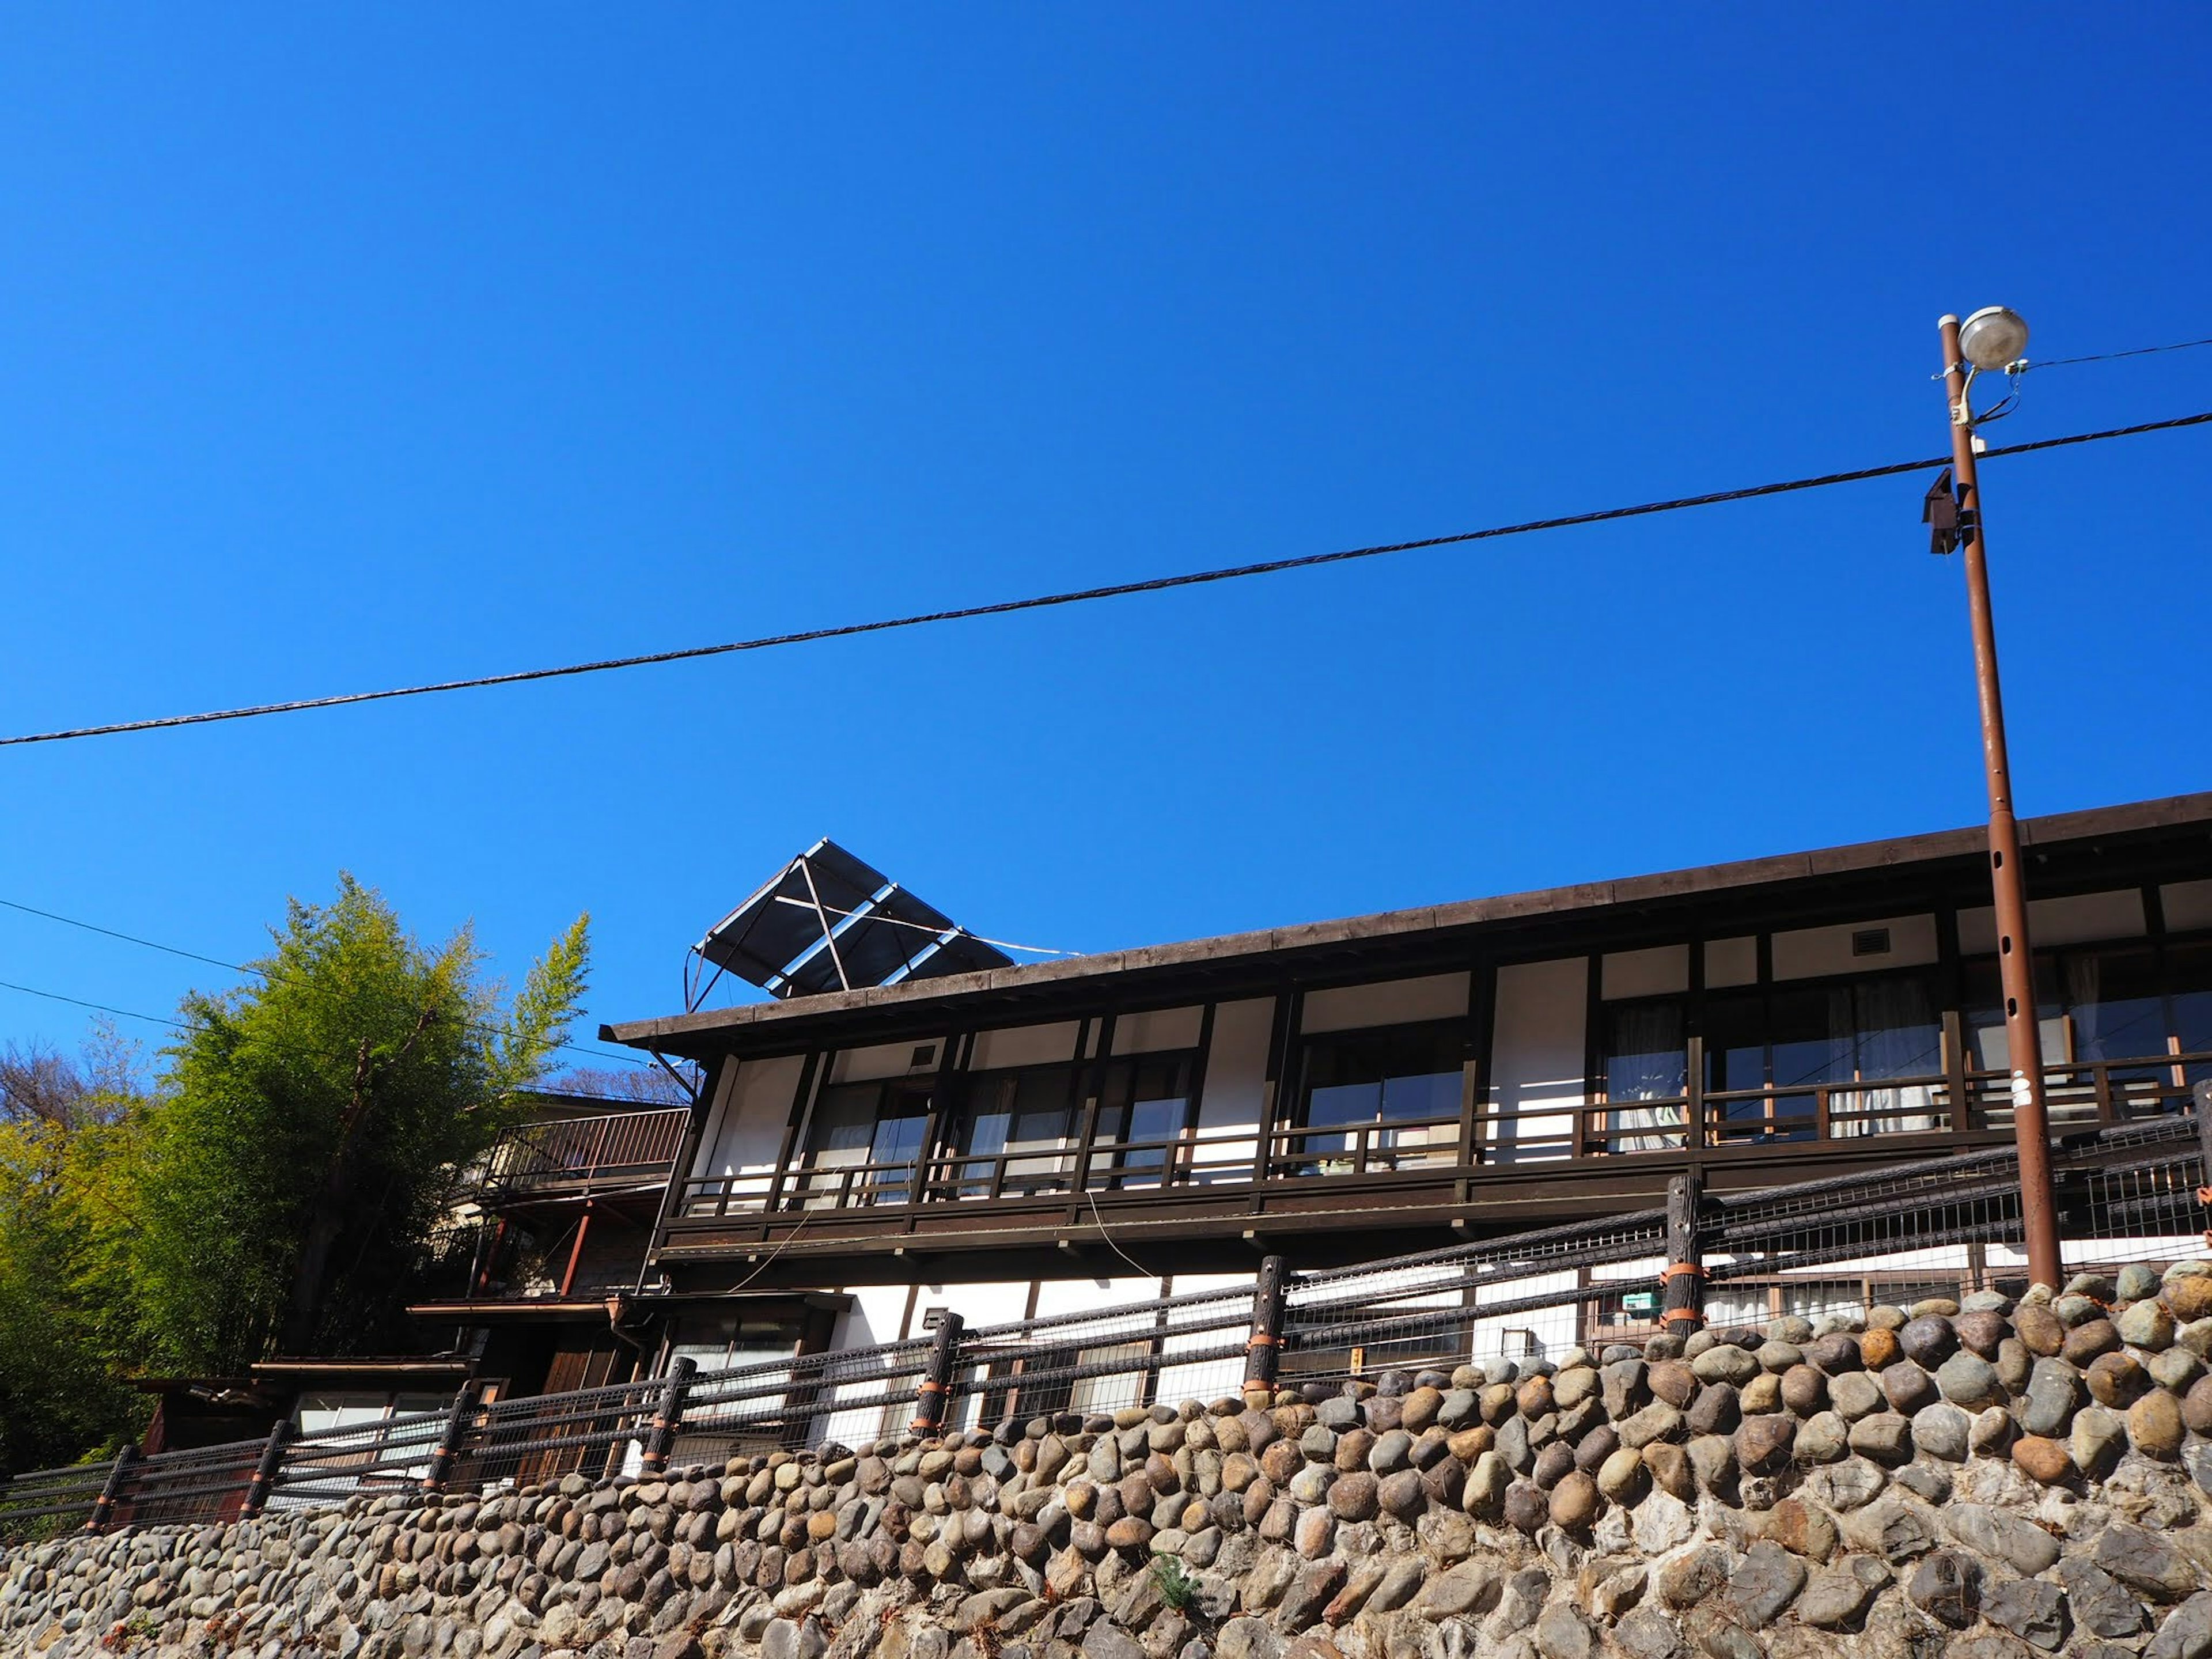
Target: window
point(864, 1142)
point(1772, 1056)
point(1016, 1130)
point(2094, 1007)
point(1403, 1080)
point(2189, 970)
point(1144, 1107)
point(1645, 1059)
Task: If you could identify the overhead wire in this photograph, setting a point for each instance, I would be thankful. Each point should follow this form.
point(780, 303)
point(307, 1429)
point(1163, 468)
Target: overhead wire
point(2112, 356)
point(236, 968)
point(1083, 595)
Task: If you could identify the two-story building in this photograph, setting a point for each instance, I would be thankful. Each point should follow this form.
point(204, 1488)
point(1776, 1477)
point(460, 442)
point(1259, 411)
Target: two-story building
point(1028, 1140)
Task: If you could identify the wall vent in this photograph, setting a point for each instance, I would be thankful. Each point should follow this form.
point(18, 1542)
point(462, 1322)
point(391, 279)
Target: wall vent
point(1870, 942)
point(925, 1056)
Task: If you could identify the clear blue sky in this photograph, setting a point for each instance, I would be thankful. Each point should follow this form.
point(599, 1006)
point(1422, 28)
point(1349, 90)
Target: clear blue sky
point(346, 350)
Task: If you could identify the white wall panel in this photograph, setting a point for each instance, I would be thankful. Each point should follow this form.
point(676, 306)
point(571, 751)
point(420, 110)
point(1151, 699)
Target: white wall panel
point(1815, 952)
point(1394, 1002)
point(1023, 1045)
point(1157, 1030)
point(2082, 918)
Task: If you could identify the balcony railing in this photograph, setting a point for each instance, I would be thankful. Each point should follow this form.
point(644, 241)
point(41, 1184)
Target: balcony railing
point(1932, 1110)
point(582, 1155)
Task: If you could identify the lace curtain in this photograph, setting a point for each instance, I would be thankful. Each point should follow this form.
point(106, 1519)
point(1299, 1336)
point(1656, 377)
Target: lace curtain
point(1889, 1027)
point(1647, 1065)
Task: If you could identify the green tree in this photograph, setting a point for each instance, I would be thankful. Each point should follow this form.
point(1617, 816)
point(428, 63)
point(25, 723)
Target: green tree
point(64, 1126)
point(315, 1126)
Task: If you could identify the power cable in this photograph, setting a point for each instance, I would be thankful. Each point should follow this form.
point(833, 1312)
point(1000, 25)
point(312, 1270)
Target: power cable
point(2111, 356)
point(239, 968)
point(99, 1007)
point(1077, 596)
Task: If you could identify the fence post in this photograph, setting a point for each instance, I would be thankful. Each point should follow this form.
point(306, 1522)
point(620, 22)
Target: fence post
point(1683, 1298)
point(111, 1491)
point(265, 1473)
point(933, 1393)
point(449, 1449)
point(1263, 1351)
point(668, 1415)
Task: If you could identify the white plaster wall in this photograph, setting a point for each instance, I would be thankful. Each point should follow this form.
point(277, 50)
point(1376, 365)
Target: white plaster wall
point(1662, 970)
point(2080, 920)
point(1394, 1002)
point(2187, 904)
point(1023, 1045)
point(1235, 1088)
point(1732, 962)
point(883, 1059)
point(1812, 952)
point(1537, 1055)
point(1158, 1031)
point(875, 1317)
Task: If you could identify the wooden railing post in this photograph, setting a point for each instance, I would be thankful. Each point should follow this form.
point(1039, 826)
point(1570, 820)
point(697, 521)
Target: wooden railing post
point(668, 1415)
point(112, 1490)
point(933, 1393)
point(1683, 1292)
point(1263, 1352)
point(1693, 1097)
point(265, 1473)
point(448, 1449)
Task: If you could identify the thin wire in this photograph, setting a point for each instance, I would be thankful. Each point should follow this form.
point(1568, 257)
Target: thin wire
point(1077, 596)
point(1142, 1271)
point(239, 968)
point(2112, 356)
point(126, 1013)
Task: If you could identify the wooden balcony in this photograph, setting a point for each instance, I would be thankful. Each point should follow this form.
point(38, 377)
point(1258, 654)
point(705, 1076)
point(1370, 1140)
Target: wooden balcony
point(583, 1156)
point(1329, 1191)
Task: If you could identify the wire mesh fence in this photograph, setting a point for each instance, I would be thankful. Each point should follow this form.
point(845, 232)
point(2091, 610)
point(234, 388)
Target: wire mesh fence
point(1941, 1228)
point(187, 1487)
point(51, 1500)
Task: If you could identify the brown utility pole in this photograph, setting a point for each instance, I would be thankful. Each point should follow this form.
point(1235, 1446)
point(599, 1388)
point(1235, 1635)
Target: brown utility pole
point(2016, 962)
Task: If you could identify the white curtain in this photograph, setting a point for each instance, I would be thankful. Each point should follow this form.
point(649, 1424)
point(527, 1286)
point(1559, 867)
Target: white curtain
point(1896, 1036)
point(1647, 1065)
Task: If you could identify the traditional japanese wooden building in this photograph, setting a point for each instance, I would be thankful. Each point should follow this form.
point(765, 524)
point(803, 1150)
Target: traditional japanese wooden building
point(1015, 1140)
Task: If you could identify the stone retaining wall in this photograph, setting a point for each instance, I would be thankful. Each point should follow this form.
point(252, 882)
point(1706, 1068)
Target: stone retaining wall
point(1979, 1481)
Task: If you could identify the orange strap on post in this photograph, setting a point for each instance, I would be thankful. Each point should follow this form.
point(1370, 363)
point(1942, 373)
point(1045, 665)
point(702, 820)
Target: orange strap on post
point(1681, 1268)
point(1677, 1315)
point(1261, 1339)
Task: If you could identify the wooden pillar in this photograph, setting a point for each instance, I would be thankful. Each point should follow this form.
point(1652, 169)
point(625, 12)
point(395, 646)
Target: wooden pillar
point(933, 1393)
point(265, 1473)
point(1263, 1351)
point(1683, 1298)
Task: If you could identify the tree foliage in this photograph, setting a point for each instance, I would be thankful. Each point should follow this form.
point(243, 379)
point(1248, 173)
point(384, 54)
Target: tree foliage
point(314, 1126)
point(64, 1127)
point(276, 1186)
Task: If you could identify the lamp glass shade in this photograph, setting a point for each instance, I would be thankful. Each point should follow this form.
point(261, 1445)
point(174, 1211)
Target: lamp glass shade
point(1992, 337)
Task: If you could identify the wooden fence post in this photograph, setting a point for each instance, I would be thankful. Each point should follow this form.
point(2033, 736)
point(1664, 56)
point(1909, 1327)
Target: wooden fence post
point(448, 1449)
point(668, 1415)
point(111, 1491)
point(1263, 1350)
point(933, 1393)
point(265, 1473)
point(1683, 1290)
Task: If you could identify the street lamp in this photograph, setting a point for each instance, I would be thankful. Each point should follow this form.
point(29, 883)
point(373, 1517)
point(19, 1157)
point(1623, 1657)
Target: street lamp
point(1993, 339)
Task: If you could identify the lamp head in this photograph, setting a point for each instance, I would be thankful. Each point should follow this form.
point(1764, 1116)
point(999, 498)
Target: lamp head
point(1993, 337)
